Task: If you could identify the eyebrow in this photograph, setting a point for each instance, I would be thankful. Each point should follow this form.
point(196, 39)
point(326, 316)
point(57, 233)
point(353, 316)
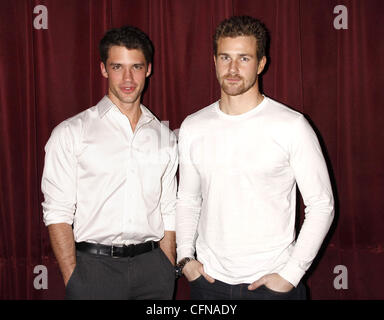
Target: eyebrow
point(240, 55)
point(134, 64)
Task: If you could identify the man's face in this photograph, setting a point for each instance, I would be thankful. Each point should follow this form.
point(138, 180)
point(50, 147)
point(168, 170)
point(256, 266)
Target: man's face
point(126, 71)
point(236, 64)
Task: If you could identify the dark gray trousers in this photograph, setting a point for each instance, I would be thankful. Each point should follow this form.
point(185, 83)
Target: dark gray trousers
point(149, 276)
point(201, 289)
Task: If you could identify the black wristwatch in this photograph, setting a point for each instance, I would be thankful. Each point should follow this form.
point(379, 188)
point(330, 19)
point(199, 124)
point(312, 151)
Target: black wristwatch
point(179, 267)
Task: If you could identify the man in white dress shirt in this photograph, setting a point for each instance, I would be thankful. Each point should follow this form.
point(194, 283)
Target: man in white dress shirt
point(240, 161)
point(110, 188)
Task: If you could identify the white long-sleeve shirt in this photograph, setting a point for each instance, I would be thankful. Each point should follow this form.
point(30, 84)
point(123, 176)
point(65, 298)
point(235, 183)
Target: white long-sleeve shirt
point(114, 185)
point(237, 192)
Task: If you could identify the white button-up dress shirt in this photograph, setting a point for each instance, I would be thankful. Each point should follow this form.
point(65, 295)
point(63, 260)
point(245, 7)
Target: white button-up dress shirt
point(114, 185)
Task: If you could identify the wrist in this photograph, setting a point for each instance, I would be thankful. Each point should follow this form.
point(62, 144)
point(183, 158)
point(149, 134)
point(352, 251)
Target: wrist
point(181, 264)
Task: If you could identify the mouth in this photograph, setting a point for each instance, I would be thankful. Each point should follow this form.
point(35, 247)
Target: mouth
point(127, 89)
point(232, 79)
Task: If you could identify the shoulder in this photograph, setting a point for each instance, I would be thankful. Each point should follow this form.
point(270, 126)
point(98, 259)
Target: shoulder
point(70, 130)
point(73, 123)
point(200, 117)
point(281, 120)
point(284, 124)
point(289, 128)
point(281, 113)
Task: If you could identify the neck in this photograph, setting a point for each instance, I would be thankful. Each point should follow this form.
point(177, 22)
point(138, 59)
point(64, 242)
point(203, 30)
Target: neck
point(131, 110)
point(235, 105)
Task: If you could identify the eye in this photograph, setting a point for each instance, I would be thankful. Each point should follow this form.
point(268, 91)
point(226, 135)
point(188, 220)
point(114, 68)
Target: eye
point(244, 59)
point(138, 66)
point(224, 58)
point(116, 67)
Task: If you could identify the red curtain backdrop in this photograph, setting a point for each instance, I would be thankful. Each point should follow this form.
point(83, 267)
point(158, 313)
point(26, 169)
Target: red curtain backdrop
point(333, 76)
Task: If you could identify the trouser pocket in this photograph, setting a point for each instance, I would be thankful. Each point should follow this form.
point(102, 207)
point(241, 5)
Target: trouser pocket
point(73, 280)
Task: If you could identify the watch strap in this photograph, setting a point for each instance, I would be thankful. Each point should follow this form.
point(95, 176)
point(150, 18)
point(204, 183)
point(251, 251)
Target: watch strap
point(183, 262)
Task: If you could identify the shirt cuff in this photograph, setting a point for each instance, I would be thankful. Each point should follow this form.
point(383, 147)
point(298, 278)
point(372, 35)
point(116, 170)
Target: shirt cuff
point(57, 218)
point(184, 252)
point(54, 213)
point(292, 273)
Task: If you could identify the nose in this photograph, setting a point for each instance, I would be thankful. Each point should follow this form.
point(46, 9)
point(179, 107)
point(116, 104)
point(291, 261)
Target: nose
point(127, 75)
point(233, 67)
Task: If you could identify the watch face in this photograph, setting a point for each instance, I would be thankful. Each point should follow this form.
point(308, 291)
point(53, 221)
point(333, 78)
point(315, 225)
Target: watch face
point(178, 272)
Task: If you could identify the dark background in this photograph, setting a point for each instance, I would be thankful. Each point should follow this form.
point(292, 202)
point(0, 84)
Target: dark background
point(334, 77)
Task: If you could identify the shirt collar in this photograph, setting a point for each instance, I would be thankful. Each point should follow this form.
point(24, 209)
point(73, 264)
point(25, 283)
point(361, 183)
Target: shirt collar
point(106, 104)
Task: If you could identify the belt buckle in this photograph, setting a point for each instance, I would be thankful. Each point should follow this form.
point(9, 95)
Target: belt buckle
point(112, 253)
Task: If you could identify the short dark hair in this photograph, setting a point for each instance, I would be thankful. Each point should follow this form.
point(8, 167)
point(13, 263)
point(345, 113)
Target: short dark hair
point(243, 26)
point(129, 37)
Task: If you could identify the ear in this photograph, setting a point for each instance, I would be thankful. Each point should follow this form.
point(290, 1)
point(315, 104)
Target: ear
point(261, 65)
point(149, 70)
point(103, 70)
point(214, 59)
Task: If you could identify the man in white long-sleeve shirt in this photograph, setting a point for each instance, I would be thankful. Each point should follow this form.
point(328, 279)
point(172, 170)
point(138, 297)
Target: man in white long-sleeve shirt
point(240, 161)
point(110, 173)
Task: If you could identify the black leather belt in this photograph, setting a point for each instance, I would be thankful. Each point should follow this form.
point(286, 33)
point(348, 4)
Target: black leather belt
point(117, 251)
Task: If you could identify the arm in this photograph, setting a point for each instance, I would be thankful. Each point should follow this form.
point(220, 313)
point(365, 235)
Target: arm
point(63, 245)
point(189, 200)
point(311, 174)
point(168, 203)
point(59, 188)
point(168, 245)
point(188, 209)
